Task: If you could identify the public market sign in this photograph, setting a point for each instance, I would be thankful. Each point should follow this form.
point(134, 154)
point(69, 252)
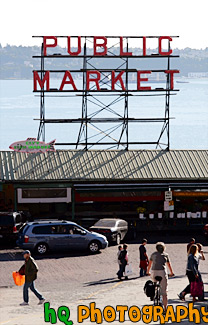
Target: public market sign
point(102, 48)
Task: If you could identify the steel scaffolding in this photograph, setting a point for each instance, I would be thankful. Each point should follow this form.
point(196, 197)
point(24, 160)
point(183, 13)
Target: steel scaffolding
point(92, 96)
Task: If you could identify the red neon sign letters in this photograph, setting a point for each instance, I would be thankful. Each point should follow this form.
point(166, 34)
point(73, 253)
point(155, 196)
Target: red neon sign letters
point(94, 77)
point(100, 42)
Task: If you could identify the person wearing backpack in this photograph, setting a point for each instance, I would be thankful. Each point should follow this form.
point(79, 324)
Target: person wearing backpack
point(123, 257)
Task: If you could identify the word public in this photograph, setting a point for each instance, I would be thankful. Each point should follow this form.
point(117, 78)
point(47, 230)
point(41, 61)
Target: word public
point(100, 45)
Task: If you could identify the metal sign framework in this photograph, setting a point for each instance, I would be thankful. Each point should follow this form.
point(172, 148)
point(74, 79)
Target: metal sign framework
point(89, 97)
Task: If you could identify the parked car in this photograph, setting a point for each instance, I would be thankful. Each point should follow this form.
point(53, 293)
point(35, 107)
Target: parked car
point(114, 229)
point(10, 223)
point(206, 230)
point(44, 235)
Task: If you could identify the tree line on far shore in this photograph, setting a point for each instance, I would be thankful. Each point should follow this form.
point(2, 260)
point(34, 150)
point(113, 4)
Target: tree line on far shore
point(17, 62)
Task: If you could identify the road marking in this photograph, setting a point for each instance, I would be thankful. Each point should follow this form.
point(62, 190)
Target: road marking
point(116, 285)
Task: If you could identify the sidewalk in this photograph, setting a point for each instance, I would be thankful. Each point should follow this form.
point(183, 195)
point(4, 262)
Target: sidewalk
point(111, 292)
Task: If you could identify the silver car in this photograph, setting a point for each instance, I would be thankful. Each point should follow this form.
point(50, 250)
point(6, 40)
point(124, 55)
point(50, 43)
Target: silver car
point(43, 235)
point(114, 229)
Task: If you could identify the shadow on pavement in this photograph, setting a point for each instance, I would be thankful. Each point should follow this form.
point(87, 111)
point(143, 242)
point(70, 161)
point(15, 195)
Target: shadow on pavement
point(177, 277)
point(107, 281)
point(112, 280)
point(17, 255)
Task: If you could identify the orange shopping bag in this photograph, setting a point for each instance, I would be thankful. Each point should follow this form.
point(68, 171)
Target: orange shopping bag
point(19, 280)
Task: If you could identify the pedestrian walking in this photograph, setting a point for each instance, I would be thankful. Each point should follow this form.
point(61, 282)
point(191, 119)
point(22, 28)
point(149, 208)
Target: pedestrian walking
point(144, 261)
point(30, 271)
point(200, 252)
point(192, 271)
point(124, 261)
point(158, 263)
point(119, 258)
point(202, 258)
point(192, 242)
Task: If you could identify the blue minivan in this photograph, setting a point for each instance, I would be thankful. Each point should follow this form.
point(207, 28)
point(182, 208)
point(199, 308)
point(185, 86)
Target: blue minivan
point(44, 235)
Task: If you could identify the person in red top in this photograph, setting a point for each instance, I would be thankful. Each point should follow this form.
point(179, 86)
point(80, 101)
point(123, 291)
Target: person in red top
point(144, 261)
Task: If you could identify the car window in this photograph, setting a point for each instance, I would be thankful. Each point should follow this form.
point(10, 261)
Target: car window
point(62, 229)
point(122, 224)
point(105, 223)
point(74, 230)
point(43, 230)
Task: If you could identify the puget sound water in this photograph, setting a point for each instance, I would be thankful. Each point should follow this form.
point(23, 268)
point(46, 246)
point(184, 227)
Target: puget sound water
point(189, 108)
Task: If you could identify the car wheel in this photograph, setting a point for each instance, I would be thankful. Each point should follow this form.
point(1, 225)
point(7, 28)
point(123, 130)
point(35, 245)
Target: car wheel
point(94, 247)
point(118, 239)
point(42, 248)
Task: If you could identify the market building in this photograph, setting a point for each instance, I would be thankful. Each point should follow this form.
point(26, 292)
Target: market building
point(152, 189)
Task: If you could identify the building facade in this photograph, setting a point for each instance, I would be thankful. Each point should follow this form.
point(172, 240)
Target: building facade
point(152, 189)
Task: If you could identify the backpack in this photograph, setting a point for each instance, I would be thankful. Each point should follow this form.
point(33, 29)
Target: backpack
point(149, 289)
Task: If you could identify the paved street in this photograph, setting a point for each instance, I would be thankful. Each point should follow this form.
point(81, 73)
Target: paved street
point(73, 278)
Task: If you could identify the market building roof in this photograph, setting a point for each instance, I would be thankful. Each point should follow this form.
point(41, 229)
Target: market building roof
point(103, 165)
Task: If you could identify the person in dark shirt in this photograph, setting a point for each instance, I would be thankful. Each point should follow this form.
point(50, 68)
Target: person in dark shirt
point(124, 261)
point(30, 270)
point(144, 261)
point(119, 257)
point(192, 242)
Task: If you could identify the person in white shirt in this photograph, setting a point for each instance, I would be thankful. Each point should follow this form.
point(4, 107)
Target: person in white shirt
point(200, 252)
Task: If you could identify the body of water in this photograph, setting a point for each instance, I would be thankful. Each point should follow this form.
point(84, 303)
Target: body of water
point(189, 108)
